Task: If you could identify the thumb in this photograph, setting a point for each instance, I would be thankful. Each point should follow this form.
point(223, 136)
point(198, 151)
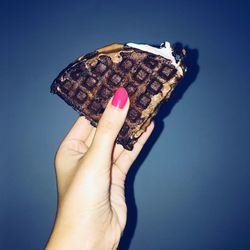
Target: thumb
point(110, 124)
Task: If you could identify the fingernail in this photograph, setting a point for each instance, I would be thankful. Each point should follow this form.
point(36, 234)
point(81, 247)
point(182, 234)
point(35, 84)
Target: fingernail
point(120, 98)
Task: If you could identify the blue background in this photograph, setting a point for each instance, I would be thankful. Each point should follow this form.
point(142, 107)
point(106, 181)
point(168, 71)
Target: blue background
point(189, 189)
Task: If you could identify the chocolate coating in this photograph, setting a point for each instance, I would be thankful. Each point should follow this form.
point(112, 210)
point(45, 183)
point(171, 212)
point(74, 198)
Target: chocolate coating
point(88, 83)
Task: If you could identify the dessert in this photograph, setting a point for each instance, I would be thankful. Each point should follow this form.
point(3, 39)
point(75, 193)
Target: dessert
point(148, 74)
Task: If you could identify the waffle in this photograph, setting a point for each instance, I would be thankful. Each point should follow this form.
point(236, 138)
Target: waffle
point(89, 82)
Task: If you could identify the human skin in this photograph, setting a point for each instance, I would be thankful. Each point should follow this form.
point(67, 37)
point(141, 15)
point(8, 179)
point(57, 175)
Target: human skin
point(91, 170)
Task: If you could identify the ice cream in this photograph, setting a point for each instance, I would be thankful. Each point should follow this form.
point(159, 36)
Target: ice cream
point(165, 50)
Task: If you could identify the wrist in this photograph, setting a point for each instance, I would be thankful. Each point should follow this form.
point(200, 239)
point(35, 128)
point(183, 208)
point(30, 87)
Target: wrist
point(65, 238)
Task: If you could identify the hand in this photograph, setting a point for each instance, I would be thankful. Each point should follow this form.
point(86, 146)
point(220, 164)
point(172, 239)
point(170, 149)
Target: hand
point(91, 171)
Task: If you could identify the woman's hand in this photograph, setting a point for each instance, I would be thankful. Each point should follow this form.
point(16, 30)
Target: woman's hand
point(91, 171)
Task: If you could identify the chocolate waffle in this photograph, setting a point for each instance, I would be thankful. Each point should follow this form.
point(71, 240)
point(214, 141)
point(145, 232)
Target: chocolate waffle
point(89, 82)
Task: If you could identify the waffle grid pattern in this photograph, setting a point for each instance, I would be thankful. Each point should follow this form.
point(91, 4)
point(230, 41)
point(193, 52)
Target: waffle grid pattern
point(88, 84)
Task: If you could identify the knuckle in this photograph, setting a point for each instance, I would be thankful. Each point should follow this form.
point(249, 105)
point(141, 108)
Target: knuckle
point(106, 126)
point(106, 130)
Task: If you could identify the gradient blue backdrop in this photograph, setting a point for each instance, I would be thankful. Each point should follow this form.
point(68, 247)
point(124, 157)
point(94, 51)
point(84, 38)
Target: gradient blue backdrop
point(192, 189)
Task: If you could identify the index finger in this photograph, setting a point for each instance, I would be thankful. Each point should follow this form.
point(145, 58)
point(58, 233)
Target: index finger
point(126, 158)
point(80, 130)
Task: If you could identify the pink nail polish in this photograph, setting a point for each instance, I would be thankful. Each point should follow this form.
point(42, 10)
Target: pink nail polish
point(120, 98)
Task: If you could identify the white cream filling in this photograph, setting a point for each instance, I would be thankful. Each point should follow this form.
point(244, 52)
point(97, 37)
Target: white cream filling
point(165, 50)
